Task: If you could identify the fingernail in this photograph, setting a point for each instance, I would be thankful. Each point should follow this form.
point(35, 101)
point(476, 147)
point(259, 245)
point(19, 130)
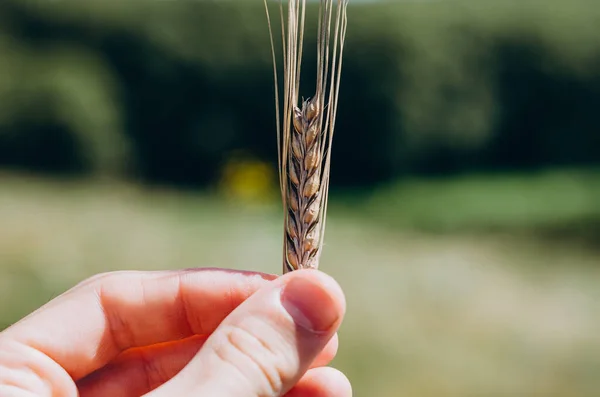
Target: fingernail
point(310, 304)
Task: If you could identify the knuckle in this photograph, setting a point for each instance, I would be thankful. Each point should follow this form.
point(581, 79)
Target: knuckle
point(256, 358)
point(119, 326)
point(108, 288)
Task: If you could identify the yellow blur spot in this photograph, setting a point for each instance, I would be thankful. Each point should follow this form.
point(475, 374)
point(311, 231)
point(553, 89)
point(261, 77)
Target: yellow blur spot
point(249, 180)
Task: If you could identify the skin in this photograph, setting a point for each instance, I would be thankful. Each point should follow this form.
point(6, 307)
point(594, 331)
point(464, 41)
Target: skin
point(197, 332)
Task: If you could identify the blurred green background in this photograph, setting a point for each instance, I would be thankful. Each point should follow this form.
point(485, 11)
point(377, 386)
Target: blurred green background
point(465, 219)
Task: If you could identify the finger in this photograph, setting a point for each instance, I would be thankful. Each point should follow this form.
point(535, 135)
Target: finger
point(322, 382)
point(140, 370)
point(327, 354)
point(266, 344)
point(85, 328)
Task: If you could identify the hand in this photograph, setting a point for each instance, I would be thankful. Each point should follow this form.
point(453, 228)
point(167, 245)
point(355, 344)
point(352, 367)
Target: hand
point(202, 332)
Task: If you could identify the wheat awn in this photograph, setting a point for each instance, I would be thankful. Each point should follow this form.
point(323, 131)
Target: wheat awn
point(305, 132)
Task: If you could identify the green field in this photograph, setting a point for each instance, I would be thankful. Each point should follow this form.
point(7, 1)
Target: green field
point(457, 287)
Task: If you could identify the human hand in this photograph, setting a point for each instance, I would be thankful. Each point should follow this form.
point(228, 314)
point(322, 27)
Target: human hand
point(200, 332)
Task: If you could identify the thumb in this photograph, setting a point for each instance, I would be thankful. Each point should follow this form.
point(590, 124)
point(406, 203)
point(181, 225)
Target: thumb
point(266, 345)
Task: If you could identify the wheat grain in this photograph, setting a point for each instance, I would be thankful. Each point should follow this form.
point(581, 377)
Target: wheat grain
point(304, 134)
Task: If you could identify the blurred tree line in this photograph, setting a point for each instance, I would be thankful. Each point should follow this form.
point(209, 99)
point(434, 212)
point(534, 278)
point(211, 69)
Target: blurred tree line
point(168, 91)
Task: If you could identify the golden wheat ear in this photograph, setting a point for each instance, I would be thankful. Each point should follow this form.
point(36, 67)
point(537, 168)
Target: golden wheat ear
point(305, 131)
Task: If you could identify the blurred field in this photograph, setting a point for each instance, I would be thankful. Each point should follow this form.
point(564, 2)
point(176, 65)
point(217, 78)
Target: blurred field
point(464, 311)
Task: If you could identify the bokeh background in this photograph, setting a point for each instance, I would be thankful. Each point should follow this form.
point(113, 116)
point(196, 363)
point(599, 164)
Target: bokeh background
point(464, 224)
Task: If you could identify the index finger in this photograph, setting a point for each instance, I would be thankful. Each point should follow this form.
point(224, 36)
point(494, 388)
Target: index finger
point(83, 329)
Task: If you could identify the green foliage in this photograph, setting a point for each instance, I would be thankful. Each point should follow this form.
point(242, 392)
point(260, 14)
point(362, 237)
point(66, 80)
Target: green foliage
point(167, 90)
point(539, 202)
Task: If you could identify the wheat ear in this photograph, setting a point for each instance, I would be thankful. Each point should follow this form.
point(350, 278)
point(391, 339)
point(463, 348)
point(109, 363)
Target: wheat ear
point(305, 131)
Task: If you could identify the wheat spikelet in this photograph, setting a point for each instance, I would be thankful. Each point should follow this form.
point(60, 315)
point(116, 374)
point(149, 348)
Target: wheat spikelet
point(305, 133)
